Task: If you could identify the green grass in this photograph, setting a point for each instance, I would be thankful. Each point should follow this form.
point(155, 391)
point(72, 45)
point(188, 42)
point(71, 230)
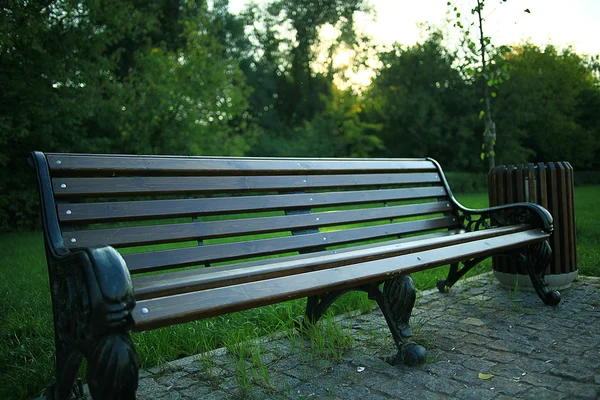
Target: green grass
point(26, 328)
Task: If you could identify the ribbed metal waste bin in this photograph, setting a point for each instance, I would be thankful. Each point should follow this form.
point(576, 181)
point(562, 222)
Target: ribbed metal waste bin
point(551, 186)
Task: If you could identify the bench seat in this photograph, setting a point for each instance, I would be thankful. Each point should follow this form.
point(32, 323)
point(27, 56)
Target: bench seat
point(183, 296)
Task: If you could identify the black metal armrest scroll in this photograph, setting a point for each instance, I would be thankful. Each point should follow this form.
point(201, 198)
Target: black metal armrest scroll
point(509, 214)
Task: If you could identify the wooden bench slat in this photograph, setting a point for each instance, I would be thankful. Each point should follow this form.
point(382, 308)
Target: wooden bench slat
point(165, 311)
point(146, 209)
point(211, 184)
point(151, 286)
point(155, 234)
point(94, 164)
point(157, 260)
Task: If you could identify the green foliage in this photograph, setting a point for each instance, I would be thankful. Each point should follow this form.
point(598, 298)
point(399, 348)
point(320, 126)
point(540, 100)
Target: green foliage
point(337, 131)
point(424, 106)
point(467, 182)
point(585, 178)
point(109, 77)
point(545, 108)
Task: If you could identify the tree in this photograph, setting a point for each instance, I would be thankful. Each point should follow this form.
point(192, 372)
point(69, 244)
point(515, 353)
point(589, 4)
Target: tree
point(287, 91)
point(476, 65)
point(424, 105)
point(550, 105)
point(137, 77)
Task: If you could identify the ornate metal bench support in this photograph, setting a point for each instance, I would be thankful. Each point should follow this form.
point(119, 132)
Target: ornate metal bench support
point(454, 274)
point(534, 259)
point(316, 307)
point(92, 297)
point(396, 302)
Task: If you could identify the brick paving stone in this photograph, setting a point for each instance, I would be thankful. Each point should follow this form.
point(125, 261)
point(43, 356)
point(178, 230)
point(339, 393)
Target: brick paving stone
point(471, 349)
point(435, 355)
point(479, 365)
point(506, 386)
point(542, 380)
point(503, 397)
point(216, 395)
point(501, 357)
point(468, 377)
point(542, 393)
point(444, 369)
point(197, 391)
point(149, 389)
point(442, 385)
point(397, 388)
point(304, 372)
point(586, 361)
point(281, 382)
point(475, 394)
point(175, 380)
point(573, 373)
point(477, 339)
point(576, 389)
point(532, 365)
point(422, 395)
point(508, 371)
point(511, 346)
point(548, 355)
point(309, 390)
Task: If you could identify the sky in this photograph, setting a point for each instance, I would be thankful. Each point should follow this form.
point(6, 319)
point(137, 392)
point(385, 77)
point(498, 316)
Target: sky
point(558, 22)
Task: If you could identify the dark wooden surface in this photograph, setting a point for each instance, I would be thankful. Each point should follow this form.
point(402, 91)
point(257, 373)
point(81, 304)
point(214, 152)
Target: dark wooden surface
point(165, 311)
point(119, 186)
point(110, 211)
point(151, 286)
point(163, 259)
point(110, 165)
point(139, 235)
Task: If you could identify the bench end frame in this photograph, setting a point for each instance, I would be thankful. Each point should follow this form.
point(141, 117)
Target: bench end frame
point(92, 298)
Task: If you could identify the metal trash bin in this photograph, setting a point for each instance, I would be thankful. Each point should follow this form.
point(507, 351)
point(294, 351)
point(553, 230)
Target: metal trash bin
point(551, 186)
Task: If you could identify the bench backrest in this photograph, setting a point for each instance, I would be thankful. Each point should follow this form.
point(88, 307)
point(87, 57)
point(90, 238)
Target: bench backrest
point(169, 212)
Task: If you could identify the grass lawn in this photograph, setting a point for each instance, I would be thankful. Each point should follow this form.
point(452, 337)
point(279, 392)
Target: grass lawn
point(26, 328)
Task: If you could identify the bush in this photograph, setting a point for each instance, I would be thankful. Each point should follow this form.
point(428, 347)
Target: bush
point(583, 178)
point(467, 182)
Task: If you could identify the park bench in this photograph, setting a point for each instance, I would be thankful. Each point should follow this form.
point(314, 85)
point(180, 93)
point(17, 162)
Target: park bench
point(135, 243)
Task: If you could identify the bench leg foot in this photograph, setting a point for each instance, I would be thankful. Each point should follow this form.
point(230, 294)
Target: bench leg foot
point(65, 385)
point(396, 302)
point(535, 259)
point(113, 368)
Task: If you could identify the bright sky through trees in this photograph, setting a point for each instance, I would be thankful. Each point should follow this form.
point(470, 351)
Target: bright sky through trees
point(557, 22)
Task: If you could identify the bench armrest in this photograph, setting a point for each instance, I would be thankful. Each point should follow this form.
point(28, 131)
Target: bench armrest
point(508, 214)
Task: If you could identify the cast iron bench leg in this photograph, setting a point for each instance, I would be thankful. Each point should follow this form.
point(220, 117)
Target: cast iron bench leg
point(535, 259)
point(396, 302)
point(92, 297)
